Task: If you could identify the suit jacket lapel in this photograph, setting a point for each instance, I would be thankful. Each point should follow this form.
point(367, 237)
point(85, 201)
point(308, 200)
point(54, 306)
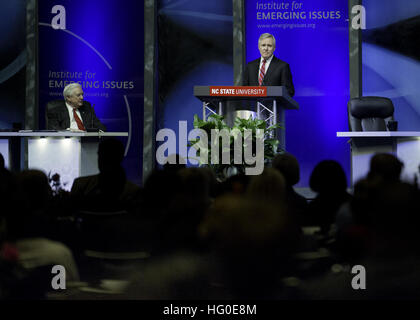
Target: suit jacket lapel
point(66, 116)
point(271, 67)
point(86, 115)
point(256, 71)
point(82, 114)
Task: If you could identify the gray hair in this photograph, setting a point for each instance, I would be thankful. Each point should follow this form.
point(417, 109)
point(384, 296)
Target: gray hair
point(265, 36)
point(68, 90)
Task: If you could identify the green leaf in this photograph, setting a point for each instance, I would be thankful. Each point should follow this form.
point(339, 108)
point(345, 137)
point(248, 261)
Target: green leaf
point(260, 124)
point(216, 116)
point(198, 123)
point(272, 142)
point(275, 126)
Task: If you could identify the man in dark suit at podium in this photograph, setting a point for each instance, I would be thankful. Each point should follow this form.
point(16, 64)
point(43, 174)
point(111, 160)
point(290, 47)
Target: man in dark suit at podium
point(268, 70)
point(73, 112)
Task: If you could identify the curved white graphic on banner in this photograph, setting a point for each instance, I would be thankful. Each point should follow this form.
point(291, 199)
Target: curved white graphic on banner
point(405, 82)
point(81, 39)
point(129, 125)
point(176, 4)
point(14, 67)
point(201, 15)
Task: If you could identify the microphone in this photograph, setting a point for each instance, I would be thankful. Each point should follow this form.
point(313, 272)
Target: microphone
point(92, 111)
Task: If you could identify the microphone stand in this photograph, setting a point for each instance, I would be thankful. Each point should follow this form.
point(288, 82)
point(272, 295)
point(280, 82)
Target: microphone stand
point(92, 112)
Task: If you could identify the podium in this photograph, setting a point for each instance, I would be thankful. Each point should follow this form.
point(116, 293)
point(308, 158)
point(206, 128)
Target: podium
point(70, 154)
point(270, 103)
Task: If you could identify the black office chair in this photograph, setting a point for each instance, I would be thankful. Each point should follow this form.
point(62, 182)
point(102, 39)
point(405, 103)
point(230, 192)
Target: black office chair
point(370, 113)
point(49, 111)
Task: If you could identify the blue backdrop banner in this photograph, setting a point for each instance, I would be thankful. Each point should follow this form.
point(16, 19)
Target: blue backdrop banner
point(102, 48)
point(312, 36)
point(12, 63)
point(391, 57)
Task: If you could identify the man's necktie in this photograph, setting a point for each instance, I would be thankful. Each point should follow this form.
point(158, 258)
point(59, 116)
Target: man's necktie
point(78, 121)
point(262, 73)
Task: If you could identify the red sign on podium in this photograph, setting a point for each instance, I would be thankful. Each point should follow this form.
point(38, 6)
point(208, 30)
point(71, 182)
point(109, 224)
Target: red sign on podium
point(235, 91)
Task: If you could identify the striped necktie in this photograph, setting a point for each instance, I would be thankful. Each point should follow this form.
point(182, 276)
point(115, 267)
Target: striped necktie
point(262, 73)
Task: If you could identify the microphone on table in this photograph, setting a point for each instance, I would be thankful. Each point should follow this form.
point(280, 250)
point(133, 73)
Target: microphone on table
point(92, 110)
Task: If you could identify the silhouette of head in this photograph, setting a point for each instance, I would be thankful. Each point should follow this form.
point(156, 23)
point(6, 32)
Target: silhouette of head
point(7, 188)
point(29, 216)
point(195, 183)
point(243, 226)
point(328, 176)
point(159, 189)
point(110, 154)
point(175, 163)
point(270, 185)
point(288, 165)
point(253, 239)
point(385, 166)
point(1, 162)
point(34, 189)
point(236, 184)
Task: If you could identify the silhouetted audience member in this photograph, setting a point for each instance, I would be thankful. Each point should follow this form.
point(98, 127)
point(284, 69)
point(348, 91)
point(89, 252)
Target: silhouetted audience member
point(386, 167)
point(214, 184)
point(175, 163)
point(191, 200)
point(236, 240)
point(236, 184)
point(159, 192)
point(328, 180)
point(253, 241)
point(288, 165)
point(109, 190)
point(158, 195)
point(1, 162)
point(7, 195)
point(107, 205)
point(10, 271)
point(28, 227)
point(376, 201)
point(268, 186)
point(382, 237)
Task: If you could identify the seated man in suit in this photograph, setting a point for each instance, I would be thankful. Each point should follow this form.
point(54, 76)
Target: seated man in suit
point(72, 112)
point(268, 70)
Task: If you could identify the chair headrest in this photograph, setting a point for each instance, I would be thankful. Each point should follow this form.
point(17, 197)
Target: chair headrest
point(371, 107)
point(59, 102)
point(54, 103)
